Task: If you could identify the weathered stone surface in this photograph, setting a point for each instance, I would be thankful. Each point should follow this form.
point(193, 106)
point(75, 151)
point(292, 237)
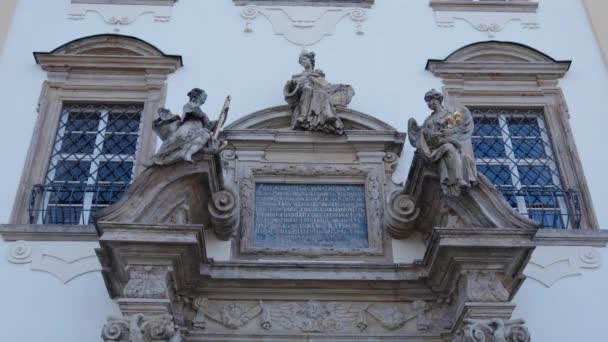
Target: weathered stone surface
point(140, 328)
point(313, 100)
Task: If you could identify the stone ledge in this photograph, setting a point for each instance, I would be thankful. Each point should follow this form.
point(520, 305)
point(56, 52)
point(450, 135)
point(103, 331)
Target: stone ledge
point(524, 6)
point(127, 2)
point(571, 237)
point(320, 3)
point(48, 232)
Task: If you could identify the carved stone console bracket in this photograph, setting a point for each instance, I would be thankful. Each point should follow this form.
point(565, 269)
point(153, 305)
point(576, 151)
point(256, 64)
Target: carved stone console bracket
point(179, 194)
point(140, 328)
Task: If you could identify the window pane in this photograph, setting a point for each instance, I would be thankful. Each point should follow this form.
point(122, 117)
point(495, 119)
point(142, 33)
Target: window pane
point(92, 162)
point(528, 148)
point(488, 148)
point(535, 175)
point(513, 151)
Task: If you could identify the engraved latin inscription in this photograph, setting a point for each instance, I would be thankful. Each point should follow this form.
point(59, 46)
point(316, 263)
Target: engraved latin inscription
point(309, 216)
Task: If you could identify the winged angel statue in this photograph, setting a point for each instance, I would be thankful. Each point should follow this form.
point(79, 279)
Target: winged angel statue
point(444, 140)
point(183, 137)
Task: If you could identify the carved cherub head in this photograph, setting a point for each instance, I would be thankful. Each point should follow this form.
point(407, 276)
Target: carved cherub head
point(197, 96)
point(307, 59)
point(434, 99)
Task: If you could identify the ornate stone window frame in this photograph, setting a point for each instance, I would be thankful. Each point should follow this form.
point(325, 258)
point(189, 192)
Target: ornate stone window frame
point(290, 173)
point(102, 68)
point(506, 74)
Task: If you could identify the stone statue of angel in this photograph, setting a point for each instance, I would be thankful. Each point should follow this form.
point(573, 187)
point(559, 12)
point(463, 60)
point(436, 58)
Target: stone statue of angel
point(444, 140)
point(184, 136)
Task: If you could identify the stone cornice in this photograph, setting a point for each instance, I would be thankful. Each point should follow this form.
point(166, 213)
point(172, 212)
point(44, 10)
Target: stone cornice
point(498, 59)
point(323, 3)
point(571, 237)
point(48, 232)
point(475, 6)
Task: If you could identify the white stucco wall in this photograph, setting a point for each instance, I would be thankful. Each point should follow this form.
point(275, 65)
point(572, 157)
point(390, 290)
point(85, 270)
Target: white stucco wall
point(386, 68)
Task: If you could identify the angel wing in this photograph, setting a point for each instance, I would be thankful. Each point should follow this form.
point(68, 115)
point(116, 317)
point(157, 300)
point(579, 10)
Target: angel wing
point(413, 131)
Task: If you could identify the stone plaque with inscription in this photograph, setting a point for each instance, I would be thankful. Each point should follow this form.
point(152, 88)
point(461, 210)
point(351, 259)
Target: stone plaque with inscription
point(310, 216)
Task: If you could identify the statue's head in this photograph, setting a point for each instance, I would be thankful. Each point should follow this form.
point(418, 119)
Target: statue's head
point(198, 96)
point(434, 99)
point(307, 58)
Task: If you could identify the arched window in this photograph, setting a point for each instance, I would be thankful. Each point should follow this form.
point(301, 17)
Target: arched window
point(93, 128)
point(522, 139)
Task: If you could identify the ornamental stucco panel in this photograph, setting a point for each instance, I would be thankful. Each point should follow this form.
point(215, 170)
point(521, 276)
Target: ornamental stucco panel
point(303, 26)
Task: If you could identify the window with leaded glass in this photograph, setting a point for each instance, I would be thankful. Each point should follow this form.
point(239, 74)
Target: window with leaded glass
point(91, 164)
point(512, 148)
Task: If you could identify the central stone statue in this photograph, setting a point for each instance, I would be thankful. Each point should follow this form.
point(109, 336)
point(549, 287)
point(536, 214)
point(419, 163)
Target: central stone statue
point(313, 99)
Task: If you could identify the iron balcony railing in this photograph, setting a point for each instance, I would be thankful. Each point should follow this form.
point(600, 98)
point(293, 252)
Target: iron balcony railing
point(71, 203)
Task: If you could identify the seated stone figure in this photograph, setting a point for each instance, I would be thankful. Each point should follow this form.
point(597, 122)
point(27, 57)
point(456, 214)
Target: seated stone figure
point(444, 140)
point(183, 137)
point(313, 99)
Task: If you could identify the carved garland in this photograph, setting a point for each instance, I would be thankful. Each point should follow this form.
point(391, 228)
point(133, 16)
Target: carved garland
point(373, 192)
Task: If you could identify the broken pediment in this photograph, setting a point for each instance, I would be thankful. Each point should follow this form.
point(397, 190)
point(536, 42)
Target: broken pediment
point(422, 205)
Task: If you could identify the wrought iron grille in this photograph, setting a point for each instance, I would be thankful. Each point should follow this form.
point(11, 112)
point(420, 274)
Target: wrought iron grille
point(512, 148)
point(91, 163)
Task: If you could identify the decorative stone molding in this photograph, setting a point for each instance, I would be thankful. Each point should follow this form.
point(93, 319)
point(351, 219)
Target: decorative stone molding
point(232, 316)
point(140, 328)
point(489, 17)
point(495, 330)
point(358, 174)
point(483, 287)
point(400, 215)
point(303, 26)
point(549, 271)
point(321, 3)
point(391, 318)
point(224, 212)
point(121, 13)
point(146, 282)
point(63, 265)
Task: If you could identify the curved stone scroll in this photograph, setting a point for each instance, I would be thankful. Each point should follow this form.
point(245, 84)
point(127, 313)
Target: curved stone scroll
point(181, 193)
point(400, 215)
point(480, 206)
point(224, 212)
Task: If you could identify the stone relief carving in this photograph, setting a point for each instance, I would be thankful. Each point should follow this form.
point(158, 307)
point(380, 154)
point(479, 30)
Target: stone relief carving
point(313, 316)
point(146, 282)
point(490, 18)
point(550, 270)
point(444, 140)
point(391, 318)
point(484, 287)
point(120, 15)
point(63, 264)
point(313, 99)
point(303, 26)
point(184, 136)
point(224, 213)
point(373, 193)
point(232, 316)
point(140, 328)
point(495, 330)
point(400, 215)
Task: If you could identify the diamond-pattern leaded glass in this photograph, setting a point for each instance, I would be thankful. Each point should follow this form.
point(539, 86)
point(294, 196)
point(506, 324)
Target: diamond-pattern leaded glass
point(91, 163)
point(513, 149)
